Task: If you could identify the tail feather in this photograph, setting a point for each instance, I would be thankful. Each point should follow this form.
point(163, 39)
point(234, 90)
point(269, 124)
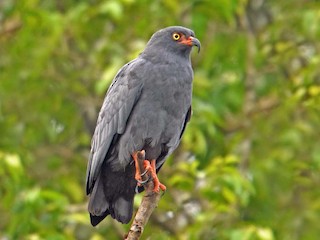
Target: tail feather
point(95, 220)
point(120, 207)
point(98, 203)
point(121, 210)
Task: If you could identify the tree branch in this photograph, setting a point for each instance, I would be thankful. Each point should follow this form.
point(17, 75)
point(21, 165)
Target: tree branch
point(148, 204)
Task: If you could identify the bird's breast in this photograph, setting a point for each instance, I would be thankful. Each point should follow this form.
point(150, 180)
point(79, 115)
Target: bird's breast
point(158, 116)
point(165, 100)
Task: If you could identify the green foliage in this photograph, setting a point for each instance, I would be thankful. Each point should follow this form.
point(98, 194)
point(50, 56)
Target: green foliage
point(249, 162)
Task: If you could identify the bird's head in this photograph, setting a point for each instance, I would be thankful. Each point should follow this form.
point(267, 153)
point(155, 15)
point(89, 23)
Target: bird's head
point(176, 39)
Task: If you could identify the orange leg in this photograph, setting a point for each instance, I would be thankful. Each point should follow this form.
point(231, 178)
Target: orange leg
point(157, 184)
point(149, 168)
point(146, 165)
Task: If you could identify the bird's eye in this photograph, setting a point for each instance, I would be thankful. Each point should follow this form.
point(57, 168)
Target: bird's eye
point(176, 36)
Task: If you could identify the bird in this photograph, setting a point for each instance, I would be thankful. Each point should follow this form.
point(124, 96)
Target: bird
point(146, 108)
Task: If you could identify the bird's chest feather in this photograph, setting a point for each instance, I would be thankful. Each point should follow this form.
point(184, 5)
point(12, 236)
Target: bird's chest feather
point(168, 86)
point(165, 100)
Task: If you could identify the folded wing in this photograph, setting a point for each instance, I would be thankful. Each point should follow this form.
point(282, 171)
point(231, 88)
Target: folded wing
point(116, 109)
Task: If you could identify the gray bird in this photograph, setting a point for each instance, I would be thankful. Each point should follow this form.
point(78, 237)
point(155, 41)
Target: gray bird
point(146, 107)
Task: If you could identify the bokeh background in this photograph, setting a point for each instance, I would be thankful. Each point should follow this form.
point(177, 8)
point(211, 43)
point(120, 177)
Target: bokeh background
point(248, 167)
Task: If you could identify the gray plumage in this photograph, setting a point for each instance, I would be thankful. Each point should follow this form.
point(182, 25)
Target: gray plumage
point(146, 107)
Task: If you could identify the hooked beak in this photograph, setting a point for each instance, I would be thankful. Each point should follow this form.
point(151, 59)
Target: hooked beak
point(195, 42)
point(191, 41)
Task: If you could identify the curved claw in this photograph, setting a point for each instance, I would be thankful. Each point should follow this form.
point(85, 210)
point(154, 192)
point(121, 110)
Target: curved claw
point(137, 189)
point(144, 173)
point(143, 181)
point(150, 167)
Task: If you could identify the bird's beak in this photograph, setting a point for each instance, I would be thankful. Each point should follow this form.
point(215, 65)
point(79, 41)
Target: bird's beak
point(195, 42)
point(191, 41)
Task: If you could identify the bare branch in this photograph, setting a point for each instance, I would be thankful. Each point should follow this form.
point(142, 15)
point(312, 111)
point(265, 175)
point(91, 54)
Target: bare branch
point(148, 204)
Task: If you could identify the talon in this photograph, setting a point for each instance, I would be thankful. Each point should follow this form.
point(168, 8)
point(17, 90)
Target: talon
point(137, 189)
point(149, 168)
point(141, 182)
point(157, 184)
point(138, 174)
point(144, 173)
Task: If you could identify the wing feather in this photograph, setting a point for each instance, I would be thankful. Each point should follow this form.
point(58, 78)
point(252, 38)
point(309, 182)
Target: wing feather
point(120, 99)
point(187, 119)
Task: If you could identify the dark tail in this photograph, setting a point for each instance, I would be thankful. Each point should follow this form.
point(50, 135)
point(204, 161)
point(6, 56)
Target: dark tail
point(111, 198)
point(95, 220)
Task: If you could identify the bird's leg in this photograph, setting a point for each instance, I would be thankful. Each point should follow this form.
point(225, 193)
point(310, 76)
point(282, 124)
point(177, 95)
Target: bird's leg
point(157, 184)
point(146, 165)
point(150, 167)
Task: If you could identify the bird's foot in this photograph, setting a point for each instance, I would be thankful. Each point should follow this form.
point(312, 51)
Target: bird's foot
point(138, 176)
point(146, 164)
point(150, 169)
point(157, 184)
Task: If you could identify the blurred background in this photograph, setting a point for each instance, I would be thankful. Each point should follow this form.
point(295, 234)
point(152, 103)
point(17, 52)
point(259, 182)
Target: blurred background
point(248, 167)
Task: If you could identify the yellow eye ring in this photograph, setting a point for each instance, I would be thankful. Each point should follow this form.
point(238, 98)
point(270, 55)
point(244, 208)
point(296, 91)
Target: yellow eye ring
point(176, 36)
